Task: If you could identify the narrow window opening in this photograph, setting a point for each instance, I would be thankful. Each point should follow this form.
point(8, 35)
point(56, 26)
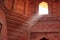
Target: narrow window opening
point(43, 8)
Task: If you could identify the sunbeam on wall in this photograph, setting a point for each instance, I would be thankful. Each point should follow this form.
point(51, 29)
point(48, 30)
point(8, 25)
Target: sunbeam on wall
point(32, 21)
point(43, 10)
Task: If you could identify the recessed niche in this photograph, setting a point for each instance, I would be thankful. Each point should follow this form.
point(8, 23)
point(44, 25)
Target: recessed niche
point(0, 27)
point(44, 38)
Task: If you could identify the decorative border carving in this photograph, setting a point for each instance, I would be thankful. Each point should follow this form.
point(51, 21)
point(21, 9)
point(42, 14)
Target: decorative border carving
point(49, 35)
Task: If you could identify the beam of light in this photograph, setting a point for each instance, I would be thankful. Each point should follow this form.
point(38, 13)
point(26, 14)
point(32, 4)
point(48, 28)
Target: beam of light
point(43, 8)
point(32, 21)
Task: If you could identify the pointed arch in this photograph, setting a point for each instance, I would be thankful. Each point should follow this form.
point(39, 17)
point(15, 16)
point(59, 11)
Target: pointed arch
point(44, 38)
point(43, 8)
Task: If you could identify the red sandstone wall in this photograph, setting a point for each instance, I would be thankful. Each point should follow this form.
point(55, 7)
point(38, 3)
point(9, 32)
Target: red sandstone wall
point(4, 25)
point(8, 4)
point(18, 6)
point(31, 8)
point(47, 26)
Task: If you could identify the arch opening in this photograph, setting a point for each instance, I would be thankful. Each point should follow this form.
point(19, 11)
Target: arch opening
point(43, 8)
point(44, 39)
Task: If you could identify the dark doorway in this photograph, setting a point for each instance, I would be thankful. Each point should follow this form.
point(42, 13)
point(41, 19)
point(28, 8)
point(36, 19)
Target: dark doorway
point(44, 38)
